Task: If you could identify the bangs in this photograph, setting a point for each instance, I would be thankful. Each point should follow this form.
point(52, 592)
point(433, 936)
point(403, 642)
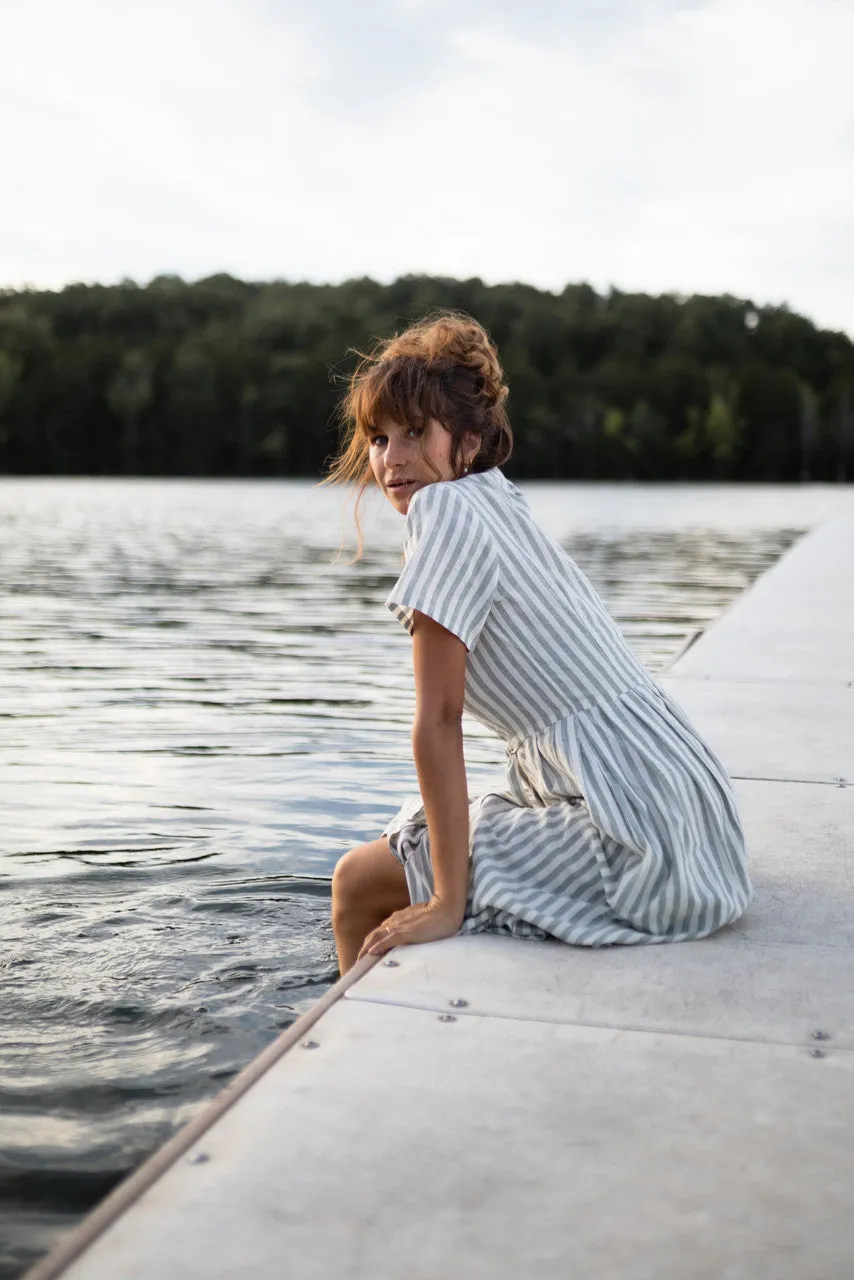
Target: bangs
point(404, 392)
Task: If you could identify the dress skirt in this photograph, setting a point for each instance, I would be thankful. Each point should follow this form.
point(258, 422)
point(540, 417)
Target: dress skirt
point(618, 825)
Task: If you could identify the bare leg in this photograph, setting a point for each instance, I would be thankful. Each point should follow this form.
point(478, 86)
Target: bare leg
point(368, 885)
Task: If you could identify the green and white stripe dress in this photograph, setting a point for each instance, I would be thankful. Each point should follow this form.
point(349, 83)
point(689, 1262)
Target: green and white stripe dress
point(618, 824)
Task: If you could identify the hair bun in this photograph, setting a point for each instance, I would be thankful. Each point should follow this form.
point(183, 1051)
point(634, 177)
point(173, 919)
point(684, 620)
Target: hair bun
point(452, 338)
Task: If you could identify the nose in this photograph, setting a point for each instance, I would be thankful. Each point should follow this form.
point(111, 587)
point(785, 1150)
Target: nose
point(395, 454)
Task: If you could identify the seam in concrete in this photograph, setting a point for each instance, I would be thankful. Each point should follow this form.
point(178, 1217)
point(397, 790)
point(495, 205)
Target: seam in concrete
point(839, 783)
point(691, 677)
point(492, 1016)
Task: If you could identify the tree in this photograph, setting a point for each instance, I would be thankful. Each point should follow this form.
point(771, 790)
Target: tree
point(10, 372)
point(809, 428)
point(129, 393)
point(844, 435)
point(722, 425)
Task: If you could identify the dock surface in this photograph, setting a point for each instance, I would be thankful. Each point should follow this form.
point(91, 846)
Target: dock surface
point(486, 1107)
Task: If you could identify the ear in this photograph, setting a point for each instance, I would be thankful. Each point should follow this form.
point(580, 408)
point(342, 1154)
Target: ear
point(471, 447)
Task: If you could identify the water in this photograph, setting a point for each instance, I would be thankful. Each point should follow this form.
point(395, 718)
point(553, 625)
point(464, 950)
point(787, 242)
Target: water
point(200, 712)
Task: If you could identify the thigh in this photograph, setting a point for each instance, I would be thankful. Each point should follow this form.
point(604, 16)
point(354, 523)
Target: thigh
point(371, 872)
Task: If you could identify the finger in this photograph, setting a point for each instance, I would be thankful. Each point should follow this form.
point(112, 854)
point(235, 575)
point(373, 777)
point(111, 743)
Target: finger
point(391, 938)
point(375, 936)
point(398, 924)
point(367, 944)
point(393, 923)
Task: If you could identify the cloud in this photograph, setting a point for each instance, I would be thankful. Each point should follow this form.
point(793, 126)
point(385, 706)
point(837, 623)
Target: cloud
point(656, 146)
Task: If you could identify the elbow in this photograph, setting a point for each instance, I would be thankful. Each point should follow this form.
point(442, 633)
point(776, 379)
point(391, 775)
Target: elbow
point(442, 721)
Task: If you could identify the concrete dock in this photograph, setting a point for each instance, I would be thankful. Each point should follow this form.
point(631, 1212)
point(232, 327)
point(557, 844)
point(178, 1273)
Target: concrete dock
point(484, 1107)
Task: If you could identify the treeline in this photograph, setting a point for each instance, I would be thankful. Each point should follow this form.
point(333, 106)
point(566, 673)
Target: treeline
point(227, 378)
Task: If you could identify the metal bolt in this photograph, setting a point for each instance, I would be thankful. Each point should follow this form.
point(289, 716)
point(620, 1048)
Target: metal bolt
point(841, 782)
point(458, 1004)
point(817, 1053)
point(447, 1017)
point(391, 964)
point(309, 1044)
point(820, 1035)
point(201, 1157)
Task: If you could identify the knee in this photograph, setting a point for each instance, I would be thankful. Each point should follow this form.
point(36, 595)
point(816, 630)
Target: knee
point(343, 875)
point(348, 884)
point(368, 884)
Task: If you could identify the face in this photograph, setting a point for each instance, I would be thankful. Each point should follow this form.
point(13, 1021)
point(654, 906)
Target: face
point(398, 463)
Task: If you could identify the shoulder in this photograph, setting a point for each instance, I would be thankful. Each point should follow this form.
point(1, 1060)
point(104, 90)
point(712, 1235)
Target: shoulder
point(448, 518)
point(436, 504)
point(473, 494)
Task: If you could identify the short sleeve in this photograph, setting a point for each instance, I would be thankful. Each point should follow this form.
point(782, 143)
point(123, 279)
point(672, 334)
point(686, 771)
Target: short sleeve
point(451, 570)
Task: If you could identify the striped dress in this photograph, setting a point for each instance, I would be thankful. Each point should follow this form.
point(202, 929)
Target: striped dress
point(617, 823)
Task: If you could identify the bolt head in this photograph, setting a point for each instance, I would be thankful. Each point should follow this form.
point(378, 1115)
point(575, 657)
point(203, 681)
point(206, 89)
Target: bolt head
point(200, 1157)
point(817, 1053)
point(447, 1017)
point(309, 1044)
point(820, 1035)
point(391, 964)
point(458, 1004)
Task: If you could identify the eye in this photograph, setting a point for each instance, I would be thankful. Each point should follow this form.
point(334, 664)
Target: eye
point(377, 439)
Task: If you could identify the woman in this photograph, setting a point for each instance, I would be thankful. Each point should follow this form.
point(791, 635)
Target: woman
point(618, 823)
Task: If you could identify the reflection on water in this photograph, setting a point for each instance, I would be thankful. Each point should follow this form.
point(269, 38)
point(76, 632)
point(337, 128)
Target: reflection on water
point(200, 713)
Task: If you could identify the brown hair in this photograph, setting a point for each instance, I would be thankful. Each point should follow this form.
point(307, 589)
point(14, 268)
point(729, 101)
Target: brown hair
point(444, 367)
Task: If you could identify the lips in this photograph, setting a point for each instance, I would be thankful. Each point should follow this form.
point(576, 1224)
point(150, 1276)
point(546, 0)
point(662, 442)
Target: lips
point(400, 484)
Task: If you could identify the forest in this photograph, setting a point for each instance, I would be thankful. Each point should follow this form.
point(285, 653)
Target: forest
point(223, 377)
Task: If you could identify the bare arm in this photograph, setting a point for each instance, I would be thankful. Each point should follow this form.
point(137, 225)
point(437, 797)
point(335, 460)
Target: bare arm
point(439, 659)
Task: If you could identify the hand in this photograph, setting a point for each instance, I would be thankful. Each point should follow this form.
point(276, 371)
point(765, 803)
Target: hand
point(422, 922)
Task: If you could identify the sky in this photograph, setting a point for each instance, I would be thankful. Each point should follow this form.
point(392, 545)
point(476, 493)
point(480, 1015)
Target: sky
point(685, 146)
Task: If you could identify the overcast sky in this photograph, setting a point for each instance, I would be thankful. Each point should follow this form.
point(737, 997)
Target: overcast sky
point(656, 145)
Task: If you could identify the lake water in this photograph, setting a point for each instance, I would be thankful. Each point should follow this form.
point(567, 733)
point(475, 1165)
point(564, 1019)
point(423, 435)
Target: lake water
point(200, 712)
